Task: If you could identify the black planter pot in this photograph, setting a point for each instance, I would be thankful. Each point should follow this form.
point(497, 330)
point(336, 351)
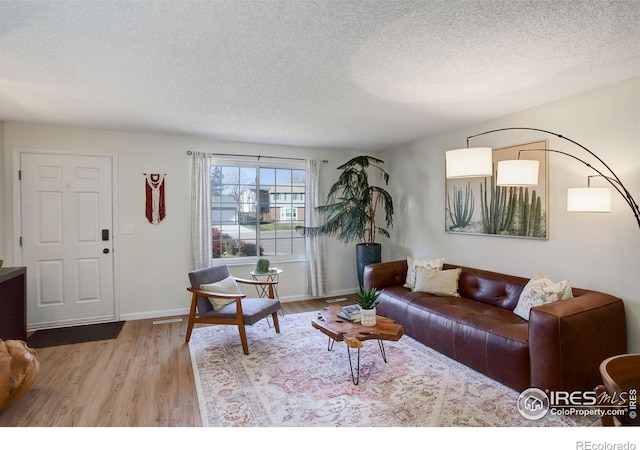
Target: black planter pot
point(367, 254)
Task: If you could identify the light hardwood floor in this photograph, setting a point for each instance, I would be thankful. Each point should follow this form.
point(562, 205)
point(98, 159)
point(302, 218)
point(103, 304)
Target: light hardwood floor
point(144, 378)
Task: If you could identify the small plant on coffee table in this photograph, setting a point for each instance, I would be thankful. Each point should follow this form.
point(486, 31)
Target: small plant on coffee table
point(368, 298)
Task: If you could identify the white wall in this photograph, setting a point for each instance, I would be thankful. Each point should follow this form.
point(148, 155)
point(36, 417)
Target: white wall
point(593, 251)
point(152, 263)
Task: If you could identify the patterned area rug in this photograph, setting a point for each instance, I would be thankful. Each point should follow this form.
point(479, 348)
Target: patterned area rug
point(291, 380)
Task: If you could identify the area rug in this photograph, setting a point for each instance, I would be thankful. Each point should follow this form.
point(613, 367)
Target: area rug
point(74, 335)
point(291, 380)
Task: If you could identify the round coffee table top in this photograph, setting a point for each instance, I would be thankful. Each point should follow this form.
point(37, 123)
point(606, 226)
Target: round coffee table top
point(264, 274)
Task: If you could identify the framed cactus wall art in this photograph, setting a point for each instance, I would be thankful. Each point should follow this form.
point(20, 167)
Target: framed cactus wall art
point(478, 206)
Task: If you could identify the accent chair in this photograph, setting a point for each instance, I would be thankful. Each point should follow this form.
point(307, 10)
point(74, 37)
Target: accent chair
point(216, 300)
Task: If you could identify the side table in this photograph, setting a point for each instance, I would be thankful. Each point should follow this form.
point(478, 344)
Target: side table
point(271, 275)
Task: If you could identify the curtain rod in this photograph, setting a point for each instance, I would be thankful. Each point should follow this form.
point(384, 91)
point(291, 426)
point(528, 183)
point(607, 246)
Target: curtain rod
point(189, 152)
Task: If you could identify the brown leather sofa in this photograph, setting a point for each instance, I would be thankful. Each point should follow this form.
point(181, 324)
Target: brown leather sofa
point(559, 348)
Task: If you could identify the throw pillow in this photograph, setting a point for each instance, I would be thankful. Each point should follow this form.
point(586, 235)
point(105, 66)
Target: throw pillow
point(226, 286)
point(412, 263)
point(540, 290)
point(437, 282)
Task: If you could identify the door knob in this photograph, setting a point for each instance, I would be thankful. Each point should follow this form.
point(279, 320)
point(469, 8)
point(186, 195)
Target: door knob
point(105, 251)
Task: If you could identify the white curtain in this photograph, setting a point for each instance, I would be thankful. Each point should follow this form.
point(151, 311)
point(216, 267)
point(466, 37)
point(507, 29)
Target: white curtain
point(316, 281)
point(200, 211)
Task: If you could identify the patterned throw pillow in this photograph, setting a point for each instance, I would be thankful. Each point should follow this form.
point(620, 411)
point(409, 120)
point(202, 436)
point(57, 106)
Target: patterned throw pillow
point(437, 282)
point(412, 263)
point(540, 291)
point(226, 286)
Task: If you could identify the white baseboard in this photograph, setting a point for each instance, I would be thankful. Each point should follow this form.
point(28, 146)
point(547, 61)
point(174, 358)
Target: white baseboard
point(155, 314)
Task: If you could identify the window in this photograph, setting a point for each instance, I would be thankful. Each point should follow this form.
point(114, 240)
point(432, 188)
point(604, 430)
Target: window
point(288, 213)
point(255, 209)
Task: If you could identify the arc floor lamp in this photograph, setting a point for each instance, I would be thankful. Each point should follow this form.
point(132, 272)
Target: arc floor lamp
point(477, 162)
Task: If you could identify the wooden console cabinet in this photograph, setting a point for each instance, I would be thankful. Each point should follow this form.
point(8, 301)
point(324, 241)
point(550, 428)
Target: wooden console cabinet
point(13, 303)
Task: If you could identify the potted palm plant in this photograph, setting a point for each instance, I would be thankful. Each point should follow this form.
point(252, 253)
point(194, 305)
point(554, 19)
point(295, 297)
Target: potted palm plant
point(352, 209)
point(368, 300)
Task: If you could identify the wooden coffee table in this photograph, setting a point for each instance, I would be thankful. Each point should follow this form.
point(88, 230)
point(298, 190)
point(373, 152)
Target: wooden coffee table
point(353, 333)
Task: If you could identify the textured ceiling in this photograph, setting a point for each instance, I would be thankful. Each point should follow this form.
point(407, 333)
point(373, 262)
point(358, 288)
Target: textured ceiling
point(355, 74)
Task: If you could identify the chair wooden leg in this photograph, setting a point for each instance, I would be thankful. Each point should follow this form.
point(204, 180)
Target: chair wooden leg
point(243, 339)
point(189, 330)
point(276, 324)
point(192, 318)
point(601, 393)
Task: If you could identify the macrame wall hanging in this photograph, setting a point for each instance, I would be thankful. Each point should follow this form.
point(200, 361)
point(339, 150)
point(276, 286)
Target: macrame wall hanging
point(155, 209)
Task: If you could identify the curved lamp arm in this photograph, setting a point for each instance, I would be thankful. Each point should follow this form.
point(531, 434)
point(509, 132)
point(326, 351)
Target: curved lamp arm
point(612, 178)
point(613, 181)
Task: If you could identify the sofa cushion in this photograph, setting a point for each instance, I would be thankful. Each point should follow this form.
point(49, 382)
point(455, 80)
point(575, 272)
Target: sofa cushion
point(412, 263)
point(489, 339)
point(437, 282)
point(478, 315)
point(540, 290)
point(488, 287)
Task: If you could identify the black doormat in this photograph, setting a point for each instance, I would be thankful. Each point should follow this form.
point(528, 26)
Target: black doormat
point(74, 335)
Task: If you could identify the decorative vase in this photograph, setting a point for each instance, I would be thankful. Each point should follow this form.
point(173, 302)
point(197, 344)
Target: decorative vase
point(368, 317)
point(18, 370)
point(367, 254)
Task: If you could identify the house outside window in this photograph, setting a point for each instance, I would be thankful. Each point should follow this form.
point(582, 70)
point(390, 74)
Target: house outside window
point(255, 209)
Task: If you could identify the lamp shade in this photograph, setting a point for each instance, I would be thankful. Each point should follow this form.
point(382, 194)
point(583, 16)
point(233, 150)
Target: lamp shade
point(589, 199)
point(518, 172)
point(469, 162)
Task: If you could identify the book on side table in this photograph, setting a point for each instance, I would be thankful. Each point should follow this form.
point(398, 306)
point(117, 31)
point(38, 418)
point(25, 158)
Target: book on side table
point(351, 313)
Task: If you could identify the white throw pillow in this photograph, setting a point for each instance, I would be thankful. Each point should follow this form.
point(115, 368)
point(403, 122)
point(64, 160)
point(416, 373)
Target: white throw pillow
point(437, 282)
point(226, 286)
point(540, 290)
point(412, 263)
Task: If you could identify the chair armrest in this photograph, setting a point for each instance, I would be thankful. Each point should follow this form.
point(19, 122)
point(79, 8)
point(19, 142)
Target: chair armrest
point(210, 294)
point(605, 406)
point(568, 340)
point(256, 282)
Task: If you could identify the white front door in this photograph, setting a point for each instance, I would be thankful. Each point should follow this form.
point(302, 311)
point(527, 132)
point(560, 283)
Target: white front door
point(67, 228)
